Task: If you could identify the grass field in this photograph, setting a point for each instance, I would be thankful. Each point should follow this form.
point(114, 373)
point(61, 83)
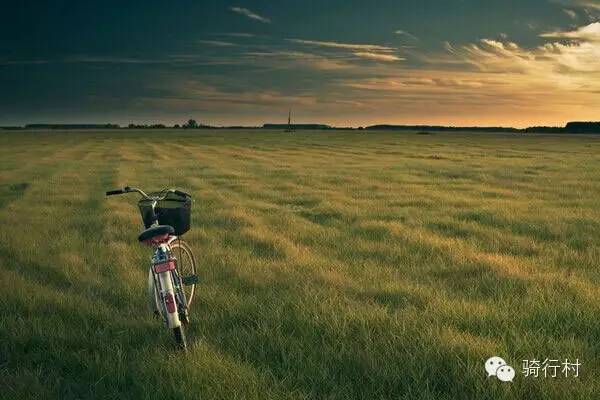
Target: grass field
point(334, 265)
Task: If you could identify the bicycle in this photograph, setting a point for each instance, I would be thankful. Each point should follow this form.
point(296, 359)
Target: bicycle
point(172, 275)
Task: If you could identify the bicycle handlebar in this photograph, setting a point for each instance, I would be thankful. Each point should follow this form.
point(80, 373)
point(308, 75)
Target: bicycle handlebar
point(140, 191)
point(113, 192)
point(164, 193)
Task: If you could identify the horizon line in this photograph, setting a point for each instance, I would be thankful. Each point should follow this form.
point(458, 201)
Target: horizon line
point(160, 125)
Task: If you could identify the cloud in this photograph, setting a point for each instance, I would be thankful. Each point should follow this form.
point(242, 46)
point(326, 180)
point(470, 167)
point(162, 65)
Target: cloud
point(559, 70)
point(250, 14)
point(504, 79)
point(291, 59)
point(582, 4)
point(589, 32)
point(552, 62)
point(240, 34)
point(408, 35)
point(373, 52)
point(585, 10)
point(193, 94)
point(91, 59)
point(349, 46)
point(489, 94)
point(377, 56)
point(595, 4)
point(423, 81)
point(573, 58)
point(494, 81)
point(217, 43)
point(531, 26)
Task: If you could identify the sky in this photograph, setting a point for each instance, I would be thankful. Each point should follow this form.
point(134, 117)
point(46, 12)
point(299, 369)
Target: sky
point(340, 62)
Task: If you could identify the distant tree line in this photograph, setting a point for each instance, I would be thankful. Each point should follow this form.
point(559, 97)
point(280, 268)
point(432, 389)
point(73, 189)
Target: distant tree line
point(545, 129)
point(583, 127)
point(71, 126)
point(144, 126)
point(190, 124)
point(296, 126)
point(571, 127)
point(439, 128)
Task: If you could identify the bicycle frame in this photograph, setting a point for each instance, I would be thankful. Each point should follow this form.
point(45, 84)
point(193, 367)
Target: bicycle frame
point(165, 286)
point(164, 272)
point(165, 277)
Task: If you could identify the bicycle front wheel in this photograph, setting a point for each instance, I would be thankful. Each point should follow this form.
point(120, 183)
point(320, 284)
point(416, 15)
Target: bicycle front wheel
point(186, 267)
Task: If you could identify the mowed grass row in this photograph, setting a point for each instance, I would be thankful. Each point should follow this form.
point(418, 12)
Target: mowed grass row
point(332, 265)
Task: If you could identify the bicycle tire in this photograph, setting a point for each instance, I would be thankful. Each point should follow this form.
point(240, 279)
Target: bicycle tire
point(186, 265)
point(152, 295)
point(180, 339)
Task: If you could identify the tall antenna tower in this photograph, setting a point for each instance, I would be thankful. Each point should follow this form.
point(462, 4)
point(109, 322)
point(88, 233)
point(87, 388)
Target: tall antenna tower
point(289, 127)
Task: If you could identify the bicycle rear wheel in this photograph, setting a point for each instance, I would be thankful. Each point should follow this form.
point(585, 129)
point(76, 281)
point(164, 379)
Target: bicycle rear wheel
point(186, 267)
point(180, 339)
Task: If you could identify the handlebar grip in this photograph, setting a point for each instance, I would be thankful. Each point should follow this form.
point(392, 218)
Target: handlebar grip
point(180, 193)
point(113, 192)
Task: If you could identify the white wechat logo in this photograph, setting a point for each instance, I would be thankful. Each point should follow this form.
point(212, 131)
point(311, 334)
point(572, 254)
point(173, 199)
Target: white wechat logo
point(505, 373)
point(492, 364)
point(496, 366)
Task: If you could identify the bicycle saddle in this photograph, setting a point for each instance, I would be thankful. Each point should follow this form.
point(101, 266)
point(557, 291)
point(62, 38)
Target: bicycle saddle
point(156, 231)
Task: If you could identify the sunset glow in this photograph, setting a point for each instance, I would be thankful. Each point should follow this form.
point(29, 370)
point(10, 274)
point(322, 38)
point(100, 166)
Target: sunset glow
point(533, 63)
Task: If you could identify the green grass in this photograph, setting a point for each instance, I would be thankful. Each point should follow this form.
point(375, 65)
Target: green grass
point(333, 265)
